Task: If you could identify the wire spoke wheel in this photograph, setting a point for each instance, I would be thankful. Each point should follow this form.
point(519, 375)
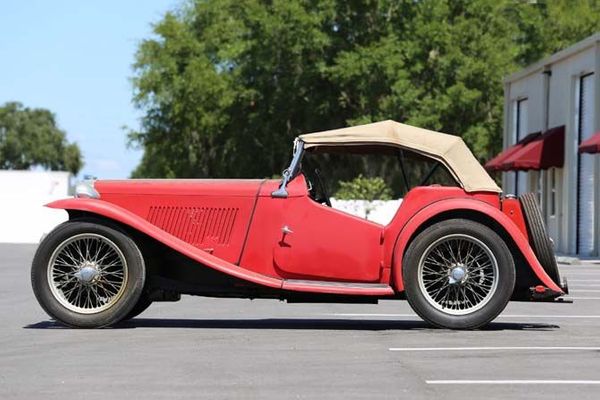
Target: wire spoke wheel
point(458, 274)
point(87, 273)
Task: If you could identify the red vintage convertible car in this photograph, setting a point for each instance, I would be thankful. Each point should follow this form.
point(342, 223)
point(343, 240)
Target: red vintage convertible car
point(458, 253)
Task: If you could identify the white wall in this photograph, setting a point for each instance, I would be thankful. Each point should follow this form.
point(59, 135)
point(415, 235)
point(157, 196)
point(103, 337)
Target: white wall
point(23, 218)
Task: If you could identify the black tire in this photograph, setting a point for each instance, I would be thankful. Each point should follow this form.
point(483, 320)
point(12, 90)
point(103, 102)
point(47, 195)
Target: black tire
point(142, 305)
point(57, 305)
point(538, 237)
point(458, 229)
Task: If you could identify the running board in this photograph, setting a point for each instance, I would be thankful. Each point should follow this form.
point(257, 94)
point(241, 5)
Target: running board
point(350, 288)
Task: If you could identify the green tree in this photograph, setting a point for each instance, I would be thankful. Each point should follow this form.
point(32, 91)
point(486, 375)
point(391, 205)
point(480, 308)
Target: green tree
point(226, 85)
point(30, 137)
point(363, 188)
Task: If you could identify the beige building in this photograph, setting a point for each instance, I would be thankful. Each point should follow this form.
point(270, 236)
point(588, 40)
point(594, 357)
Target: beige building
point(551, 137)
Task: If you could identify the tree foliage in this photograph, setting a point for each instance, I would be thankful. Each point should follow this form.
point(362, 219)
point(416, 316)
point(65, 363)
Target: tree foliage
point(31, 137)
point(226, 85)
point(362, 188)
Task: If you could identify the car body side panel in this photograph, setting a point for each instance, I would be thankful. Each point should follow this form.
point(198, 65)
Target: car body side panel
point(213, 216)
point(323, 243)
point(257, 243)
point(180, 187)
point(328, 244)
point(114, 212)
point(512, 208)
point(416, 200)
point(120, 214)
point(495, 213)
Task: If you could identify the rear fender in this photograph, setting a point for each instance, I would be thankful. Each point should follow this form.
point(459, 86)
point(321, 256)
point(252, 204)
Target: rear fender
point(119, 214)
point(424, 215)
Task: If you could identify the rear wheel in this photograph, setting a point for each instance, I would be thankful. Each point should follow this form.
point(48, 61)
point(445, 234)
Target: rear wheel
point(87, 275)
point(458, 274)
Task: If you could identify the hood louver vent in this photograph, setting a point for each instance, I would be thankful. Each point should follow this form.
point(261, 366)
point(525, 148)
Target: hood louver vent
point(199, 226)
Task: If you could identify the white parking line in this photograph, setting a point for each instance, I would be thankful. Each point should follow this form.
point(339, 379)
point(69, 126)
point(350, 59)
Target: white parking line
point(511, 382)
point(501, 316)
point(584, 298)
point(548, 316)
point(581, 271)
point(583, 285)
point(372, 315)
point(506, 348)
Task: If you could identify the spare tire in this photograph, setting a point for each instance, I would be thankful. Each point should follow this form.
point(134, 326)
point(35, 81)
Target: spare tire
point(538, 237)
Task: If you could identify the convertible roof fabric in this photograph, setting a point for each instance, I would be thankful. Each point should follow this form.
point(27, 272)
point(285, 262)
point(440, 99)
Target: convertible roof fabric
point(450, 150)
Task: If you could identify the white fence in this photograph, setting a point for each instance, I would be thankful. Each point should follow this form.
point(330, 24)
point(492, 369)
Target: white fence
point(379, 211)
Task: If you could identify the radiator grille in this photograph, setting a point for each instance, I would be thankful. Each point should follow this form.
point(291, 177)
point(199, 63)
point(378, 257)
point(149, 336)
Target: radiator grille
point(196, 225)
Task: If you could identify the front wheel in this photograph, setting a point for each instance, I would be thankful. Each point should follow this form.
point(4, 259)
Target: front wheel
point(87, 275)
point(458, 274)
point(142, 305)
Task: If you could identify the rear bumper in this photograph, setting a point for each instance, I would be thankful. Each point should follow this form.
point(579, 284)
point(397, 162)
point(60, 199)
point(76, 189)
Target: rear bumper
point(542, 293)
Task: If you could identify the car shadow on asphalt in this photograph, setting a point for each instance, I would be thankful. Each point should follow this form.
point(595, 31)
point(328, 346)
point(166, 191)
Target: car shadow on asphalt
point(297, 324)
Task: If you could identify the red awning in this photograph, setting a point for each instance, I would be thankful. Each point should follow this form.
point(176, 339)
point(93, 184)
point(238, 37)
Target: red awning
point(495, 163)
point(591, 145)
point(546, 151)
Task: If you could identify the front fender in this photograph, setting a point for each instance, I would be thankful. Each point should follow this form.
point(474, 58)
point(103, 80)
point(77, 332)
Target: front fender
point(119, 214)
point(434, 209)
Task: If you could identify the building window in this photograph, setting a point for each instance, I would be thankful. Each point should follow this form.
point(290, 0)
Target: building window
point(519, 132)
point(586, 181)
point(538, 189)
point(552, 208)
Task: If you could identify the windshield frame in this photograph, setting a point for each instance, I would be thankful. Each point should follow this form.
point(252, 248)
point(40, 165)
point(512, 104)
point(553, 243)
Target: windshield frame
point(292, 171)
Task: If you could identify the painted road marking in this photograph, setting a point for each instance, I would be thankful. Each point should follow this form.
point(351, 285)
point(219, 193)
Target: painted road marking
point(501, 316)
point(487, 348)
point(583, 285)
point(511, 382)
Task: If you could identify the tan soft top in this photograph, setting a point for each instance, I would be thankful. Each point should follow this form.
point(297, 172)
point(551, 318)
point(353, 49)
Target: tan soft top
point(450, 150)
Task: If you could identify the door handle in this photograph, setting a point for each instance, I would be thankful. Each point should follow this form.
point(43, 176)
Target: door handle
point(286, 230)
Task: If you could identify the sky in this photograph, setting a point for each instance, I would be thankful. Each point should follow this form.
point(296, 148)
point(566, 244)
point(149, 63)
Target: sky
point(74, 58)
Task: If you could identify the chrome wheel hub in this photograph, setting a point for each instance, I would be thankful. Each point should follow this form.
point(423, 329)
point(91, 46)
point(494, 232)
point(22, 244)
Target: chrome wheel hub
point(87, 273)
point(458, 274)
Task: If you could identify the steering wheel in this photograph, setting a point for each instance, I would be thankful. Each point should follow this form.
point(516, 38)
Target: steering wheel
point(324, 195)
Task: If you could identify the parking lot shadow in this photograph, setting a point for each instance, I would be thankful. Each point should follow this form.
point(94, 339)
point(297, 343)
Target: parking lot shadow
point(296, 323)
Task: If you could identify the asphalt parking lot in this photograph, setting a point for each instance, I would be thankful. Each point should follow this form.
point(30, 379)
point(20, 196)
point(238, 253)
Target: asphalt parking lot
point(215, 348)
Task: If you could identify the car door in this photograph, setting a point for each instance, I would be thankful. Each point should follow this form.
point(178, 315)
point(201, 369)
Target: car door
point(321, 243)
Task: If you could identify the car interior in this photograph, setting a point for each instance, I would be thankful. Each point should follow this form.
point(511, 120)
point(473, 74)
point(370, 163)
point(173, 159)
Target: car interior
point(400, 169)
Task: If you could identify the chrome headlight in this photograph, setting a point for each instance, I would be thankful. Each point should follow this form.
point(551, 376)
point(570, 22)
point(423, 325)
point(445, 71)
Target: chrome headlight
point(86, 190)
